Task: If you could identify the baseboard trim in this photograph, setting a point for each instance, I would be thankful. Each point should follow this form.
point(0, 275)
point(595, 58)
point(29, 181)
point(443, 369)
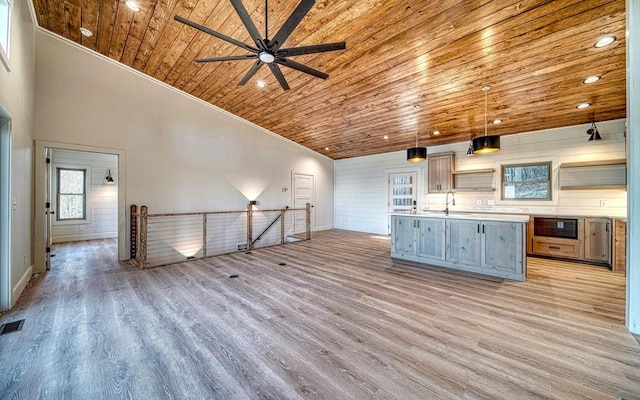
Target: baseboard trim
point(91, 236)
point(324, 227)
point(22, 283)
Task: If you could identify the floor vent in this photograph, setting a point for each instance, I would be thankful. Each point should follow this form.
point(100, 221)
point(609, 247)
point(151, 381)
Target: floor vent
point(233, 276)
point(11, 327)
point(282, 264)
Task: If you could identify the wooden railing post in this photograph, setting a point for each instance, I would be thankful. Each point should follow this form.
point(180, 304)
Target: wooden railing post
point(133, 231)
point(204, 235)
point(282, 213)
point(249, 226)
point(143, 237)
point(308, 220)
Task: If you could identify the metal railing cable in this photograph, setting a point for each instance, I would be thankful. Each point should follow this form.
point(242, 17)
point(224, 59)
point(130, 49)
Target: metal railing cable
point(169, 238)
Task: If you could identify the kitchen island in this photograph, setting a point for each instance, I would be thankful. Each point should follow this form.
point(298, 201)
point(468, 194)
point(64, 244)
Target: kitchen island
point(489, 244)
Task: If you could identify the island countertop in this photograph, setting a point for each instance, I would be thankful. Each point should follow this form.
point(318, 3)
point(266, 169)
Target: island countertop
point(464, 215)
point(488, 244)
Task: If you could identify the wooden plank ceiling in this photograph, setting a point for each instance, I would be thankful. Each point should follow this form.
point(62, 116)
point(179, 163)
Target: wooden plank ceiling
point(409, 67)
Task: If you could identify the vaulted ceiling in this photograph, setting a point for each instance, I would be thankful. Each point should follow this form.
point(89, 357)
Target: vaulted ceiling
point(409, 66)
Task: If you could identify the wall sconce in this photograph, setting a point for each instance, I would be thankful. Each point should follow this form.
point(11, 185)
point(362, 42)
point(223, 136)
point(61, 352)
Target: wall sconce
point(109, 179)
point(593, 132)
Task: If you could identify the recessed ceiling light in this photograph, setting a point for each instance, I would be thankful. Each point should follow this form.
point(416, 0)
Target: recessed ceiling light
point(386, 137)
point(591, 79)
point(261, 83)
point(326, 148)
point(86, 32)
point(497, 121)
point(133, 6)
point(583, 105)
point(605, 41)
point(436, 133)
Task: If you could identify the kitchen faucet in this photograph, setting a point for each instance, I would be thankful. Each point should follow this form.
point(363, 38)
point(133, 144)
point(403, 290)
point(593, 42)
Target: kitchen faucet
point(453, 202)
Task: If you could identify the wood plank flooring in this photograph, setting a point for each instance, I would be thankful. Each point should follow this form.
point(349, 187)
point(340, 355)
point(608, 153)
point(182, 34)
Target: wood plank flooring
point(341, 320)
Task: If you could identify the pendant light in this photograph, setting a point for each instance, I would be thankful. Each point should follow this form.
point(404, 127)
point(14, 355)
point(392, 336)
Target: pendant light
point(486, 144)
point(416, 154)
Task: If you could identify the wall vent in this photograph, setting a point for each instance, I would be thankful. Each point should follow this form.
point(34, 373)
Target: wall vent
point(241, 246)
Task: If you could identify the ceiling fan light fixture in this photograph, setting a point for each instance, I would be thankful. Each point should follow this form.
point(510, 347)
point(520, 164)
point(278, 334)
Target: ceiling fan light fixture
point(267, 57)
point(487, 143)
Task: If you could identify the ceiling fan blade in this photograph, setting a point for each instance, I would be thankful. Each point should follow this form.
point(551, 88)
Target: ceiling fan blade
point(290, 24)
point(301, 68)
point(278, 74)
point(215, 34)
point(251, 72)
point(248, 23)
point(318, 48)
point(228, 58)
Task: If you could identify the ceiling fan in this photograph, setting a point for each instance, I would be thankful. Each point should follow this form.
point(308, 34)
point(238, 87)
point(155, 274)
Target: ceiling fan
point(269, 51)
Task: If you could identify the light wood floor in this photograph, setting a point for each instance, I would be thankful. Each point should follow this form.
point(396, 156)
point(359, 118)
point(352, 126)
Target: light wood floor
point(340, 320)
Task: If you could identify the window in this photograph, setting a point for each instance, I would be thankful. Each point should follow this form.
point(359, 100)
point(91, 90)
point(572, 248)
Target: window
point(72, 194)
point(5, 29)
point(526, 181)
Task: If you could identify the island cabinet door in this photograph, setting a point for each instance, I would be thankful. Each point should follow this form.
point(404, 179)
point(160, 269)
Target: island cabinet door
point(430, 239)
point(502, 247)
point(403, 235)
point(463, 242)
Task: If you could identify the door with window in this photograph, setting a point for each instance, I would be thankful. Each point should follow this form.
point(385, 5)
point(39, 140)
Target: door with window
point(403, 193)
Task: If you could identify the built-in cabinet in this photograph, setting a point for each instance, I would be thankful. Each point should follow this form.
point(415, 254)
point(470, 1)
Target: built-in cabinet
point(597, 239)
point(619, 246)
point(591, 239)
point(440, 168)
point(495, 248)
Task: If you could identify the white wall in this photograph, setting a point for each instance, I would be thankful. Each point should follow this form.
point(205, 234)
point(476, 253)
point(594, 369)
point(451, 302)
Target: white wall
point(17, 100)
point(361, 183)
point(181, 154)
point(102, 199)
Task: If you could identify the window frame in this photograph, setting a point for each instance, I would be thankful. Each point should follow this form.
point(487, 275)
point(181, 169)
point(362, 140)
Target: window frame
point(87, 173)
point(549, 181)
point(5, 53)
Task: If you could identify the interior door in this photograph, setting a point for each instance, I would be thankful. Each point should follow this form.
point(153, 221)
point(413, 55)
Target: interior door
point(303, 193)
point(403, 193)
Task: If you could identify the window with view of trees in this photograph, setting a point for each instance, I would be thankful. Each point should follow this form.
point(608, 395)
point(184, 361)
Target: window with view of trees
point(5, 28)
point(526, 181)
point(71, 194)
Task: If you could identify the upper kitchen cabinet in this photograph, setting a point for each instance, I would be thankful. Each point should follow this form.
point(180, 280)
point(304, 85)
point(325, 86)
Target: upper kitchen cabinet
point(441, 172)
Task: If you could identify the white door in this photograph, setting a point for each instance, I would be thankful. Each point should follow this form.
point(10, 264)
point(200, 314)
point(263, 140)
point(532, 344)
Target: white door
point(303, 193)
point(403, 193)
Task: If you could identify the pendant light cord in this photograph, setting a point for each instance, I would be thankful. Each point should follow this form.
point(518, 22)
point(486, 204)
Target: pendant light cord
point(485, 89)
